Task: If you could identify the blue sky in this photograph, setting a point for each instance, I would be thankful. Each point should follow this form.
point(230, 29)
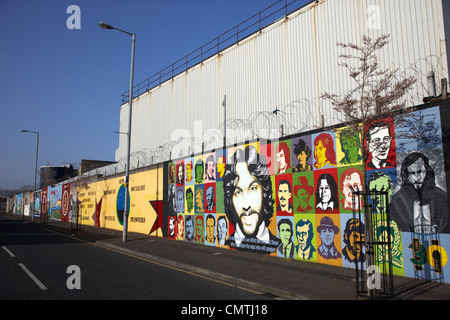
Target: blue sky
point(67, 84)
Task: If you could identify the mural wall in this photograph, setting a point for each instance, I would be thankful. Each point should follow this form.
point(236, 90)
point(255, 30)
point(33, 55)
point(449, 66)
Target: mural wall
point(293, 198)
point(290, 198)
point(101, 203)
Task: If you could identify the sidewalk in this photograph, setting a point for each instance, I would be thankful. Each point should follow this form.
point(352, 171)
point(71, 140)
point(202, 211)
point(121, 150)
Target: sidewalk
point(275, 277)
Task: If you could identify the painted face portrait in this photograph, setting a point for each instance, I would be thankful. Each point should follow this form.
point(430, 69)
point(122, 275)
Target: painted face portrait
point(326, 193)
point(283, 157)
point(286, 248)
point(172, 199)
point(351, 179)
point(380, 142)
point(171, 173)
point(247, 200)
point(327, 231)
point(199, 200)
point(189, 171)
point(350, 146)
point(199, 229)
point(189, 200)
point(303, 192)
point(171, 226)
point(284, 195)
point(210, 198)
point(302, 152)
point(302, 157)
point(180, 201)
point(303, 198)
point(420, 204)
point(180, 174)
point(324, 152)
point(210, 168)
point(304, 235)
point(304, 232)
point(354, 235)
point(189, 228)
point(222, 229)
point(354, 241)
point(220, 167)
point(199, 171)
point(180, 227)
point(210, 226)
point(327, 236)
point(320, 153)
point(417, 173)
point(380, 182)
point(285, 233)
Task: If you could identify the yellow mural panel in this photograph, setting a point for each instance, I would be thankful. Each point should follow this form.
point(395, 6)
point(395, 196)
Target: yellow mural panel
point(145, 192)
point(109, 217)
point(88, 198)
point(102, 202)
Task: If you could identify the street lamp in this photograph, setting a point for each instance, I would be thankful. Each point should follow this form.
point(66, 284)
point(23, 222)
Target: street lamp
point(35, 171)
point(130, 102)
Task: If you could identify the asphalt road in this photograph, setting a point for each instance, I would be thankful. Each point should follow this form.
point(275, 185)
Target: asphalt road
point(36, 263)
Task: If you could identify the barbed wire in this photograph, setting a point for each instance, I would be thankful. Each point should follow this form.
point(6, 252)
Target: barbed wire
point(299, 116)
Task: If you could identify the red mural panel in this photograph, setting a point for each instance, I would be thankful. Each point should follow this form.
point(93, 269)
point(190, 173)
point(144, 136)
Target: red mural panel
point(44, 203)
point(65, 202)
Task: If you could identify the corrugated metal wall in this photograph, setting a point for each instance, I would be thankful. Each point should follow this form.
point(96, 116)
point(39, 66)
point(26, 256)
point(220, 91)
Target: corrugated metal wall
point(287, 67)
point(446, 15)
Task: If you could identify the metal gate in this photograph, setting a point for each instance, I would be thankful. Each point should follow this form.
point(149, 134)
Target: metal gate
point(374, 275)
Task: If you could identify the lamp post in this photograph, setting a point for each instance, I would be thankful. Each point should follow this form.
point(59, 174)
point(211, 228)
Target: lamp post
point(130, 102)
point(35, 171)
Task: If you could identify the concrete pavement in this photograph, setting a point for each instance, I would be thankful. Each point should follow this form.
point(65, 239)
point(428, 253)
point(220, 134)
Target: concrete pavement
point(272, 276)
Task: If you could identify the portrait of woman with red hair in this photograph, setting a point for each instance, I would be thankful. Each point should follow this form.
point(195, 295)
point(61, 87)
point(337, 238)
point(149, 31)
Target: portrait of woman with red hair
point(324, 153)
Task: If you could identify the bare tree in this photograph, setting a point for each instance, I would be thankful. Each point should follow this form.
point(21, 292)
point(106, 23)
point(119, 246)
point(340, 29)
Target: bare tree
point(377, 92)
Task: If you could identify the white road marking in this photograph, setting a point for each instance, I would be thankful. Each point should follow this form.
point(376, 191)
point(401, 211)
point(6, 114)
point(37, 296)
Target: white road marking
point(9, 252)
point(33, 277)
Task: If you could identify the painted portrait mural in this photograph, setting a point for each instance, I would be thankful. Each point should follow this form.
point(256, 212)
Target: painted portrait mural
point(249, 200)
point(293, 198)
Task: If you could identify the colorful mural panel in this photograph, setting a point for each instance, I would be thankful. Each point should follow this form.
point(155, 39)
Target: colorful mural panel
point(102, 203)
point(54, 202)
point(44, 203)
point(144, 202)
point(18, 204)
point(65, 202)
point(293, 198)
point(37, 196)
point(88, 201)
